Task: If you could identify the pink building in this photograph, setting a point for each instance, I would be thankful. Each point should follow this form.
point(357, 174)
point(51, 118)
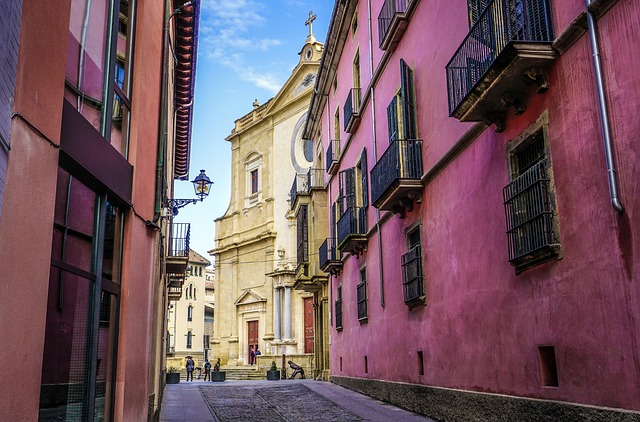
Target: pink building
point(95, 124)
point(482, 170)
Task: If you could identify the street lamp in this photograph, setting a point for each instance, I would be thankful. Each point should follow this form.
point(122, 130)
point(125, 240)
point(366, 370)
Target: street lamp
point(201, 185)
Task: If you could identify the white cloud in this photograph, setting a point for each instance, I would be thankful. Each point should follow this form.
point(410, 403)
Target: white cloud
point(224, 38)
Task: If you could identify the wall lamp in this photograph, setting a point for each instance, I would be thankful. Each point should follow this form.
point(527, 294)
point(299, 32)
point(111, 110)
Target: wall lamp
point(202, 186)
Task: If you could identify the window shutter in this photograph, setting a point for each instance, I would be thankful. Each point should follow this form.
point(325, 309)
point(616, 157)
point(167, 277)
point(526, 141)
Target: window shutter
point(365, 175)
point(350, 176)
point(392, 119)
point(408, 101)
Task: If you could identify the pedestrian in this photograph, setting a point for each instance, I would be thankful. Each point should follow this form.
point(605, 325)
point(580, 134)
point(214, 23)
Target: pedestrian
point(252, 356)
point(207, 370)
point(258, 353)
point(190, 365)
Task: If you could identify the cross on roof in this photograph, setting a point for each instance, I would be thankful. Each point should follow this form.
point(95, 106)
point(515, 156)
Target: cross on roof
point(309, 22)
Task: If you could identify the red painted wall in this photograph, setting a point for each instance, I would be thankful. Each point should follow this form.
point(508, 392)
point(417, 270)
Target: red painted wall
point(482, 325)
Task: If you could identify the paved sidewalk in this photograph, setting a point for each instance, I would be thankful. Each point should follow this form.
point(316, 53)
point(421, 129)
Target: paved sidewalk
point(285, 400)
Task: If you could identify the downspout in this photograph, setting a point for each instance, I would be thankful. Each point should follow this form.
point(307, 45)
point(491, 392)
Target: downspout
point(83, 42)
point(375, 150)
point(604, 112)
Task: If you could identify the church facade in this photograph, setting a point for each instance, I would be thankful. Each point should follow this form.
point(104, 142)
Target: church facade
point(257, 306)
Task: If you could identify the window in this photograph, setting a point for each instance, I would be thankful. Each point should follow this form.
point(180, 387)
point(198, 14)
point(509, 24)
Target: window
point(303, 234)
point(354, 23)
point(401, 111)
point(336, 126)
point(254, 181)
point(356, 70)
point(189, 339)
point(361, 291)
point(412, 276)
point(529, 200)
point(190, 313)
point(338, 305)
point(362, 191)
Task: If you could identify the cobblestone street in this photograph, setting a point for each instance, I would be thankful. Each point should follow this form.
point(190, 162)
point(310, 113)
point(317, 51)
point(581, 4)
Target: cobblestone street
point(290, 401)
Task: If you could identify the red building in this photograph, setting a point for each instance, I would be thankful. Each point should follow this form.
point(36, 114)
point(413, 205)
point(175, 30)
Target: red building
point(95, 125)
point(482, 181)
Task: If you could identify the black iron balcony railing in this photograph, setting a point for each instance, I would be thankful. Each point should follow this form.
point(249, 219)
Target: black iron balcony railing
point(333, 155)
point(299, 185)
point(338, 314)
point(315, 179)
point(412, 278)
point(329, 256)
point(179, 241)
point(352, 110)
point(391, 22)
point(529, 212)
point(361, 291)
point(502, 22)
point(353, 223)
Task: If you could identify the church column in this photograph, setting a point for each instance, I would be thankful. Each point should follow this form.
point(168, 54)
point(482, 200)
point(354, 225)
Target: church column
point(276, 314)
point(287, 313)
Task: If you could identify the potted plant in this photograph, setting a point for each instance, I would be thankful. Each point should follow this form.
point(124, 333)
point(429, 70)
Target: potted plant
point(273, 374)
point(173, 376)
point(217, 375)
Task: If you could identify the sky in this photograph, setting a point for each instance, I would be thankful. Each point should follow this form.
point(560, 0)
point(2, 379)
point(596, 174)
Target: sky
point(247, 49)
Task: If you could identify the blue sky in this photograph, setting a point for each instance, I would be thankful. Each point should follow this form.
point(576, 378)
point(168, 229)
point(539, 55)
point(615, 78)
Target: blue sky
point(247, 50)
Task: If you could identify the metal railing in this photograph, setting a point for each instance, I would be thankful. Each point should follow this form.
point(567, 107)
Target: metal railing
point(527, 206)
point(412, 277)
point(501, 22)
point(389, 10)
point(299, 185)
point(333, 153)
point(351, 107)
point(402, 160)
point(353, 221)
point(328, 252)
point(315, 179)
point(179, 241)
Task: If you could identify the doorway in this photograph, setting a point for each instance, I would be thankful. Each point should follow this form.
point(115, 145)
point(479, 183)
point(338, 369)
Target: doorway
point(252, 340)
point(308, 325)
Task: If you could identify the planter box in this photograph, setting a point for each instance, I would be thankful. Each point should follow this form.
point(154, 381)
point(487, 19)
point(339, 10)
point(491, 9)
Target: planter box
point(218, 376)
point(273, 375)
point(173, 378)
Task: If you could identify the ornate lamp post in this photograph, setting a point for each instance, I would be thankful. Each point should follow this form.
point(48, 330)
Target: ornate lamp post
point(201, 185)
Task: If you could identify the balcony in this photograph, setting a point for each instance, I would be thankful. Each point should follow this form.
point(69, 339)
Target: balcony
point(303, 184)
point(333, 156)
point(352, 231)
point(506, 51)
point(330, 261)
point(392, 22)
point(395, 179)
point(178, 248)
point(352, 111)
point(174, 293)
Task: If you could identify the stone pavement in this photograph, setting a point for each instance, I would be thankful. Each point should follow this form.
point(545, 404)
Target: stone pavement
point(274, 401)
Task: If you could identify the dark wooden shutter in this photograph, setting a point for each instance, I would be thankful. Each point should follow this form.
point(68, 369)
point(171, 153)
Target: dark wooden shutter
point(408, 101)
point(365, 177)
point(392, 119)
point(347, 184)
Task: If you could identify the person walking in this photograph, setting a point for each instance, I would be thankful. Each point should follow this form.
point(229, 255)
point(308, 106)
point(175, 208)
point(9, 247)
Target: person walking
point(207, 370)
point(190, 365)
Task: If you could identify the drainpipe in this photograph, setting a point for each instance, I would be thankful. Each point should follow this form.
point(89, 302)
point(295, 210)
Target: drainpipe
point(83, 42)
point(375, 150)
point(604, 113)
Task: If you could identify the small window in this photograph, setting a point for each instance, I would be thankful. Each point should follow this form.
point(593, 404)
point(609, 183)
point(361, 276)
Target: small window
point(190, 313)
point(354, 23)
point(189, 339)
point(336, 125)
point(335, 85)
point(361, 291)
point(338, 305)
point(254, 181)
point(529, 201)
point(412, 274)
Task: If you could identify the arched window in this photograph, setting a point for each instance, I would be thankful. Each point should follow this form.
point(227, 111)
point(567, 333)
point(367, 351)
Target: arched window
point(190, 313)
point(189, 339)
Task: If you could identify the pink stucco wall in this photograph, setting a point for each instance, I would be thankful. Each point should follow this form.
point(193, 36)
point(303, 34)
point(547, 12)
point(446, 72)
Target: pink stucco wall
point(482, 324)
